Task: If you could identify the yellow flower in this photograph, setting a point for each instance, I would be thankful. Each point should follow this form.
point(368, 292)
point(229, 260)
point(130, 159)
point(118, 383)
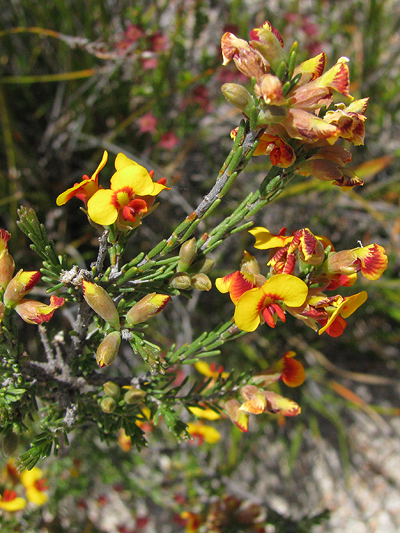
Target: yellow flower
point(86, 188)
point(35, 485)
point(11, 502)
point(132, 190)
point(262, 303)
point(204, 432)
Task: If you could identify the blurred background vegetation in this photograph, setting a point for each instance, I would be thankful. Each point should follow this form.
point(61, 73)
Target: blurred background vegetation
point(144, 77)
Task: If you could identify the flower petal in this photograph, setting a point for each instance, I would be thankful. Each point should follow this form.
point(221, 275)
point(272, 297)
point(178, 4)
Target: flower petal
point(101, 209)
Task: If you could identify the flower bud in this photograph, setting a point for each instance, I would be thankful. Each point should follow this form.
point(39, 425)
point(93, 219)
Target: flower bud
point(180, 281)
point(7, 264)
point(187, 253)
point(201, 282)
point(2, 311)
point(249, 264)
point(101, 303)
point(34, 312)
point(238, 417)
point(133, 396)
point(108, 405)
point(112, 389)
point(204, 265)
point(146, 308)
point(238, 96)
point(10, 443)
point(19, 286)
point(108, 349)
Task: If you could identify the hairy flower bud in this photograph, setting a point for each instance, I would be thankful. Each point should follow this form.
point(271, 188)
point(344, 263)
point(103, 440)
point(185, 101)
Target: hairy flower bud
point(146, 308)
point(133, 396)
point(108, 349)
point(10, 443)
point(19, 286)
point(180, 281)
point(201, 282)
point(101, 303)
point(108, 405)
point(187, 253)
point(7, 264)
point(238, 96)
point(112, 389)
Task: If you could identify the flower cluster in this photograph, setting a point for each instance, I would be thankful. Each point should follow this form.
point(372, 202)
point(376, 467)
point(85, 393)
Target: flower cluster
point(295, 105)
point(130, 198)
point(33, 485)
point(258, 400)
point(302, 267)
point(102, 304)
point(14, 289)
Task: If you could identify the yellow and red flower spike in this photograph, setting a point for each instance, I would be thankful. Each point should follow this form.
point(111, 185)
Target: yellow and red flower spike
point(86, 188)
point(101, 303)
point(238, 417)
point(20, 285)
point(7, 264)
point(149, 306)
point(264, 302)
point(35, 485)
point(9, 501)
point(34, 312)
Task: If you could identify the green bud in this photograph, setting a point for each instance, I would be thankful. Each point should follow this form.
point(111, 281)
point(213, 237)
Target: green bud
point(108, 349)
point(108, 405)
point(187, 253)
point(112, 389)
point(133, 396)
point(201, 282)
point(10, 443)
point(204, 265)
point(238, 96)
point(180, 281)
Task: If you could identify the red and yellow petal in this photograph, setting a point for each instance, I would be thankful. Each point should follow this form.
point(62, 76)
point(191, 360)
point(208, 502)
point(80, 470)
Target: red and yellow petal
point(281, 405)
point(238, 417)
point(311, 69)
point(236, 284)
point(293, 373)
point(255, 401)
point(373, 260)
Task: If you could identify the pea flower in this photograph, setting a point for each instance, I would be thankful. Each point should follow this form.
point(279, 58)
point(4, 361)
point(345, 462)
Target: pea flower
point(203, 432)
point(263, 303)
point(35, 486)
point(131, 194)
point(9, 501)
point(31, 311)
point(288, 369)
point(86, 188)
point(7, 264)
